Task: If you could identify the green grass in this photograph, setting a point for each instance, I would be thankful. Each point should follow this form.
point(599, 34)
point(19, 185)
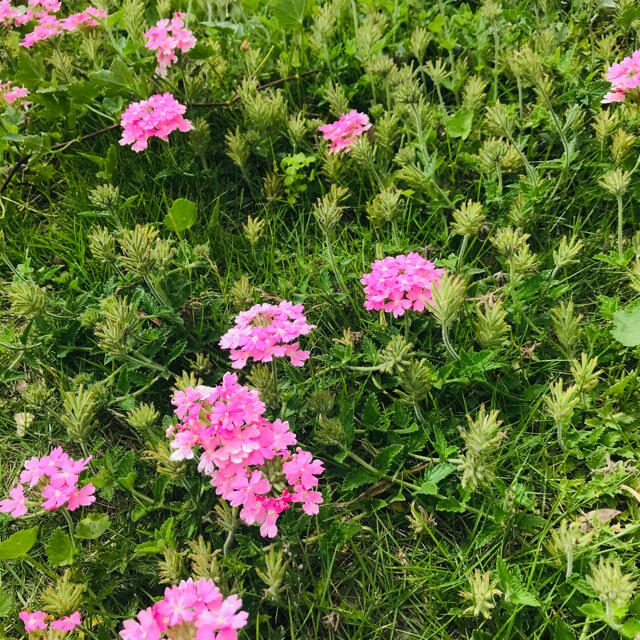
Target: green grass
point(395, 543)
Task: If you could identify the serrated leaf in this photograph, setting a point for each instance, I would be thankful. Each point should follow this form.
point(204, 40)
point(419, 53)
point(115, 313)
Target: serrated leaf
point(450, 504)
point(513, 587)
point(594, 609)
point(182, 215)
point(630, 629)
point(18, 544)
point(371, 412)
point(386, 456)
point(356, 478)
point(59, 548)
point(626, 327)
point(93, 526)
point(434, 475)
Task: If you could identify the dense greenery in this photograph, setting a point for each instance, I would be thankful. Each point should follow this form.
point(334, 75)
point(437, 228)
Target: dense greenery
point(481, 458)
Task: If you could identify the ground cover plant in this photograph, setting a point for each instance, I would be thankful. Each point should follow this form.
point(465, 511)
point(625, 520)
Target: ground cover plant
point(319, 319)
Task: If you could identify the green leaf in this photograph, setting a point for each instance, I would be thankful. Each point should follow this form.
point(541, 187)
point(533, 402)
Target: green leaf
point(290, 12)
point(18, 544)
point(437, 24)
point(513, 586)
point(356, 478)
point(630, 629)
point(386, 457)
point(93, 526)
point(450, 504)
point(59, 548)
point(563, 631)
point(434, 475)
point(594, 609)
point(626, 327)
point(459, 124)
point(182, 215)
point(371, 412)
point(6, 603)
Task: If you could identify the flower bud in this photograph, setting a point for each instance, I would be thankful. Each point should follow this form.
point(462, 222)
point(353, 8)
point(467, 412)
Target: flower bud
point(615, 182)
point(468, 219)
point(64, 597)
point(482, 591)
point(491, 325)
point(143, 417)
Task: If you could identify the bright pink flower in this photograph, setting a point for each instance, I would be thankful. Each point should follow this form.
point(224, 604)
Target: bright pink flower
point(15, 505)
point(342, 133)
point(197, 604)
point(266, 331)
point(33, 620)
point(56, 494)
point(227, 423)
point(400, 283)
point(165, 38)
point(623, 76)
point(67, 623)
point(9, 94)
point(81, 497)
point(144, 628)
point(158, 116)
point(309, 499)
point(302, 468)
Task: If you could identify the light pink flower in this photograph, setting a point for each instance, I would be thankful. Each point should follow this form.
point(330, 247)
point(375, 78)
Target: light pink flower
point(267, 331)
point(158, 116)
point(15, 504)
point(623, 76)
point(343, 132)
point(400, 283)
point(10, 94)
point(165, 37)
point(33, 620)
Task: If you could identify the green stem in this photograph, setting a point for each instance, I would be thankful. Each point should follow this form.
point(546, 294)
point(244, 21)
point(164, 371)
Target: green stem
point(559, 430)
point(463, 248)
point(620, 224)
point(447, 343)
point(338, 274)
point(40, 567)
point(230, 535)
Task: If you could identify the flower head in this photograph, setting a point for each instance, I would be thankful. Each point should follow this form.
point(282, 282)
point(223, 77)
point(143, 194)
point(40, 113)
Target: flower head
point(158, 116)
point(400, 283)
point(33, 620)
point(167, 36)
point(267, 331)
point(343, 132)
point(623, 76)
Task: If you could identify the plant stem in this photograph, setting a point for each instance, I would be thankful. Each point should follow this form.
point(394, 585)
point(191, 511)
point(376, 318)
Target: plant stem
point(620, 224)
point(230, 535)
point(447, 343)
point(463, 248)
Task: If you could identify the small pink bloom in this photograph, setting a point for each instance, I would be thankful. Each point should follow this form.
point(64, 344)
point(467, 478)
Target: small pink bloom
point(15, 504)
point(33, 620)
point(343, 132)
point(67, 623)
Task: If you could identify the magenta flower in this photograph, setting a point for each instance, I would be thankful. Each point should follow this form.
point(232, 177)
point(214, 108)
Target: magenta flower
point(15, 504)
point(33, 620)
point(234, 441)
point(197, 606)
point(623, 76)
point(343, 132)
point(67, 623)
point(267, 331)
point(158, 116)
point(400, 283)
point(165, 38)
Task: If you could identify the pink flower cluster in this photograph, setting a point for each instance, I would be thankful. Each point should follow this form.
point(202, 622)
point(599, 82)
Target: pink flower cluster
point(266, 331)
point(48, 24)
point(343, 132)
point(248, 458)
point(623, 76)
point(400, 283)
point(10, 94)
point(37, 620)
point(165, 38)
point(158, 116)
point(195, 609)
point(60, 489)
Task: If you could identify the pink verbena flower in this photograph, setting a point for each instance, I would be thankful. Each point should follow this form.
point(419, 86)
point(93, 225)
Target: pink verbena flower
point(623, 76)
point(158, 116)
point(343, 132)
point(62, 473)
point(15, 505)
point(50, 25)
point(266, 331)
point(400, 283)
point(197, 607)
point(10, 94)
point(167, 36)
point(86, 17)
point(67, 623)
point(8, 13)
point(240, 450)
point(33, 620)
